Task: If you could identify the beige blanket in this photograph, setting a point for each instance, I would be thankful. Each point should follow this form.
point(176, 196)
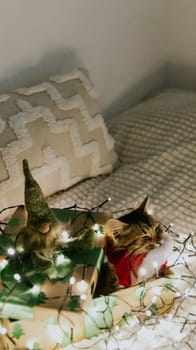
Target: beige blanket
point(156, 144)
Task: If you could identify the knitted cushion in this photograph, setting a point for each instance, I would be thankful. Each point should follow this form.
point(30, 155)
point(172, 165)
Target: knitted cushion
point(55, 126)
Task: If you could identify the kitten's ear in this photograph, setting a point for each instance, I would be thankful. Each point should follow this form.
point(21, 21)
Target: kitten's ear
point(113, 226)
point(144, 205)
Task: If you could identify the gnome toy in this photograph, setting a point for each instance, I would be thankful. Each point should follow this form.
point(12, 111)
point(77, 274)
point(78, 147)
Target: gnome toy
point(41, 234)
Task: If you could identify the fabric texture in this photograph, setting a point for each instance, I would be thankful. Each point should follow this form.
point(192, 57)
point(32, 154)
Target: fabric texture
point(56, 126)
point(156, 145)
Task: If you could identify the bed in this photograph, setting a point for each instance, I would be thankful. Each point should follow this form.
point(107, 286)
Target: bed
point(156, 145)
point(149, 149)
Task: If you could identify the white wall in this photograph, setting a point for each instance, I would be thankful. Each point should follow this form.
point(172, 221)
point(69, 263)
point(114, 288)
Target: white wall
point(120, 42)
point(181, 43)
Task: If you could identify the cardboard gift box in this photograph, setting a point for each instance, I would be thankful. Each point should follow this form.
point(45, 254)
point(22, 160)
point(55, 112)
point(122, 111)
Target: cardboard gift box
point(54, 328)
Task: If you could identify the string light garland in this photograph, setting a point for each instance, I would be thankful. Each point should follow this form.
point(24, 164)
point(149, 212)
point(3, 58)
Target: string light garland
point(165, 331)
point(168, 331)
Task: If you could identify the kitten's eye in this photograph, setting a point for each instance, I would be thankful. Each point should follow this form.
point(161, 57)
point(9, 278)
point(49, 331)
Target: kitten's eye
point(158, 229)
point(116, 234)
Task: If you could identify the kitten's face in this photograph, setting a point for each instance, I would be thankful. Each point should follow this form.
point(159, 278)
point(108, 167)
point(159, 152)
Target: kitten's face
point(138, 231)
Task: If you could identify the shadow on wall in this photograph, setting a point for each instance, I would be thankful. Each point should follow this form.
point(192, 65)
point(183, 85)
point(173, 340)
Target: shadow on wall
point(50, 64)
point(64, 61)
point(182, 76)
point(144, 88)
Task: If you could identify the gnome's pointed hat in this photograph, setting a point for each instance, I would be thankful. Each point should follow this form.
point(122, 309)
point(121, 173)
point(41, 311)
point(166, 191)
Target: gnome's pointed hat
point(37, 208)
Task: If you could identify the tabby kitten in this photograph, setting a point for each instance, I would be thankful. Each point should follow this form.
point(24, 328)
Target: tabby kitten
point(137, 246)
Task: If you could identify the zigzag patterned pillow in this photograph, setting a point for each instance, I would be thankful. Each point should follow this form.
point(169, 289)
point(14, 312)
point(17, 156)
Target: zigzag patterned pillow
point(55, 126)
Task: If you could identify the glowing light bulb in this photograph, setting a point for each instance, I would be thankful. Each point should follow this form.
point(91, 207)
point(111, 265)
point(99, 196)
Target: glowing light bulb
point(109, 199)
point(148, 313)
point(64, 236)
point(83, 297)
point(142, 271)
point(35, 289)
point(96, 227)
point(72, 280)
point(170, 226)
point(60, 259)
point(154, 299)
point(17, 277)
point(3, 330)
point(155, 264)
point(11, 251)
point(97, 230)
point(82, 286)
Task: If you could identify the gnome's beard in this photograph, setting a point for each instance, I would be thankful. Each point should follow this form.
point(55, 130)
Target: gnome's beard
point(40, 246)
point(33, 239)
